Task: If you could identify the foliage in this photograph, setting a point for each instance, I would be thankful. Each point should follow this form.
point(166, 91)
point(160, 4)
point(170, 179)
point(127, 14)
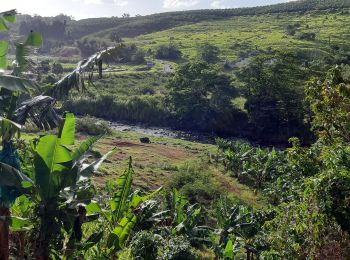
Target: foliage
point(57, 68)
point(209, 53)
point(274, 98)
point(168, 52)
point(92, 126)
point(332, 125)
point(76, 79)
point(58, 184)
point(200, 98)
point(192, 181)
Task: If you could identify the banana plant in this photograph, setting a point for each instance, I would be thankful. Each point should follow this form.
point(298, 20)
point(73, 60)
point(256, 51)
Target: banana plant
point(124, 211)
point(59, 184)
point(239, 231)
point(39, 110)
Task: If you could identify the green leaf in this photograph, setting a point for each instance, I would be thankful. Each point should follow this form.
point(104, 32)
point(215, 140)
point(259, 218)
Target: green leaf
point(118, 204)
point(3, 25)
point(3, 53)
point(34, 39)
point(67, 134)
point(93, 207)
point(122, 231)
point(53, 153)
point(136, 200)
point(84, 147)
point(20, 224)
point(89, 170)
point(51, 172)
point(93, 240)
point(13, 83)
point(10, 17)
point(12, 177)
point(229, 250)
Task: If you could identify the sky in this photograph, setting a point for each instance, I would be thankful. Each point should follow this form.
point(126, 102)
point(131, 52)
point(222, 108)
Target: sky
point(80, 9)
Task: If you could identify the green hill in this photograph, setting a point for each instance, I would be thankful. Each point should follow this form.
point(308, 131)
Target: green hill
point(131, 27)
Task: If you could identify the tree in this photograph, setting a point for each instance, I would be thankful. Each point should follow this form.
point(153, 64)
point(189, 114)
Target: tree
point(209, 53)
point(168, 52)
point(330, 104)
point(200, 97)
point(273, 88)
point(57, 68)
point(114, 37)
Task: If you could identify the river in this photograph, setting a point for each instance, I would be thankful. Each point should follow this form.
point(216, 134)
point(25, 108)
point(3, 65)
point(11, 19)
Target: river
point(192, 136)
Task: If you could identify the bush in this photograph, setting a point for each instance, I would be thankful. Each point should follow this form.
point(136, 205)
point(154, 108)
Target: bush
point(57, 68)
point(134, 109)
point(209, 53)
point(177, 248)
point(92, 126)
point(138, 57)
point(145, 245)
point(308, 36)
point(168, 52)
point(192, 181)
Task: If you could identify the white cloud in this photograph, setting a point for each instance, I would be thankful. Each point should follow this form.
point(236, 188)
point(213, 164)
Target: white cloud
point(218, 4)
point(172, 4)
point(95, 2)
point(121, 3)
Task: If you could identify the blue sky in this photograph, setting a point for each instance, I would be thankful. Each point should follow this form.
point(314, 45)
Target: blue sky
point(97, 8)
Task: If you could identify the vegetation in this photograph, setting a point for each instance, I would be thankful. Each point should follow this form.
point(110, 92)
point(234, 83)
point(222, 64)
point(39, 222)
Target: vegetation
point(232, 200)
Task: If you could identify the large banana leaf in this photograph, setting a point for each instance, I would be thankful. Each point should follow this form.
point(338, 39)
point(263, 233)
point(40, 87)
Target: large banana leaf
point(12, 177)
point(13, 83)
point(53, 161)
point(67, 133)
point(40, 111)
point(5, 17)
point(117, 238)
point(88, 170)
point(76, 79)
point(23, 62)
point(3, 53)
point(84, 147)
point(124, 182)
point(50, 170)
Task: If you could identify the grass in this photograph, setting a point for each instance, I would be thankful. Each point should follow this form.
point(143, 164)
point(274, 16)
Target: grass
point(158, 163)
point(249, 33)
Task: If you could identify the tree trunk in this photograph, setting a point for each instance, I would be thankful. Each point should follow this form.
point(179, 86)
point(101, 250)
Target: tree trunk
point(4, 233)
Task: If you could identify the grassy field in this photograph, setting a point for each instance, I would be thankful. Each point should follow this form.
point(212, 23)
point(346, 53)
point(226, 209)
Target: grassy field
point(157, 164)
point(245, 33)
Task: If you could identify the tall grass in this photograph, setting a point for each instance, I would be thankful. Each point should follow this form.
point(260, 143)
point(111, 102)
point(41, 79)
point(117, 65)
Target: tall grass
point(134, 109)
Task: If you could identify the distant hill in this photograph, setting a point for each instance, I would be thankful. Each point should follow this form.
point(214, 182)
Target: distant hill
point(134, 26)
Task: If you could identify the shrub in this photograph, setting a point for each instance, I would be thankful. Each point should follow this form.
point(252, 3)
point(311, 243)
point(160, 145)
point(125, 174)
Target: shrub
point(192, 181)
point(92, 126)
point(145, 245)
point(168, 52)
point(57, 68)
point(177, 248)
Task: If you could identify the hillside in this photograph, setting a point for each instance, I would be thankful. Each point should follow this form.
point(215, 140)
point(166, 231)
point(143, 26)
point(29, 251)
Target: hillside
point(131, 27)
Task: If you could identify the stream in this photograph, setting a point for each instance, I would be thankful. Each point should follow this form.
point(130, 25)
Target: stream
point(192, 136)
